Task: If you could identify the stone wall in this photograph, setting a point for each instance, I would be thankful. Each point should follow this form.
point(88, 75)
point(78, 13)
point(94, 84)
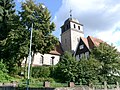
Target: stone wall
point(71, 86)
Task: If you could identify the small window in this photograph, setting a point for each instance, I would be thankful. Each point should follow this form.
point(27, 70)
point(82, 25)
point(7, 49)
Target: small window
point(78, 27)
point(77, 57)
point(81, 47)
point(87, 55)
point(41, 59)
point(52, 60)
point(74, 26)
point(68, 26)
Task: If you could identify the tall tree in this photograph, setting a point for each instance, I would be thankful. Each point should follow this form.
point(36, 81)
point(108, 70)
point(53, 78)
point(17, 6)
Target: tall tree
point(9, 22)
point(7, 14)
point(110, 60)
point(15, 48)
point(38, 15)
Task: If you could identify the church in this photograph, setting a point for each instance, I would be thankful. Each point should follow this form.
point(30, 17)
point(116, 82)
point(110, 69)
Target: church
point(72, 40)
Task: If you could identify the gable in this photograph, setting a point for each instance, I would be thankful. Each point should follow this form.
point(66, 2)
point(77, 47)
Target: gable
point(82, 47)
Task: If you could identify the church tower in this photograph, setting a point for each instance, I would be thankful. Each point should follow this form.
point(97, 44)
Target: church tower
point(71, 32)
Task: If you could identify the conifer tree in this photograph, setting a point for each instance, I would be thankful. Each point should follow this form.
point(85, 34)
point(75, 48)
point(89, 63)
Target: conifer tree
point(12, 41)
point(7, 14)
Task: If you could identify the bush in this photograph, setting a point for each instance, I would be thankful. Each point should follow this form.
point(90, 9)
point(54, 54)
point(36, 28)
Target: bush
point(53, 71)
point(45, 79)
point(4, 77)
point(3, 67)
point(40, 71)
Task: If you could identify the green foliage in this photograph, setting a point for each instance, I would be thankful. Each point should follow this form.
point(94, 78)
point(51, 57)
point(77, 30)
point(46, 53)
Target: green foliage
point(6, 17)
point(40, 71)
point(45, 79)
point(15, 49)
point(9, 45)
point(4, 77)
point(15, 32)
point(3, 67)
point(103, 65)
point(53, 72)
point(43, 40)
point(87, 71)
point(66, 68)
point(110, 60)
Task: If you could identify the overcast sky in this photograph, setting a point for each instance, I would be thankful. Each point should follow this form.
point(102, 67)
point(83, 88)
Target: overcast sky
point(101, 18)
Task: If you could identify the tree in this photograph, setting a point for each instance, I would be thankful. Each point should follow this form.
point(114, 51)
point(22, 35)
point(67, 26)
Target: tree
point(7, 14)
point(110, 60)
point(66, 68)
point(9, 22)
point(43, 41)
point(15, 49)
point(87, 70)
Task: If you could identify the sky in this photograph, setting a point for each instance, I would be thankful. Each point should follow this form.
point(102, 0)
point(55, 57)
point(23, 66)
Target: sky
point(101, 18)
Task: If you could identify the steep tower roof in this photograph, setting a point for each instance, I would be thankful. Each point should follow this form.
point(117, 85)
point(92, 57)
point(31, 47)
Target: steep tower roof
point(72, 20)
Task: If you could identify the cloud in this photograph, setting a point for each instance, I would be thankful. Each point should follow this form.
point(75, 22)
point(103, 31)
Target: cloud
point(101, 18)
point(112, 37)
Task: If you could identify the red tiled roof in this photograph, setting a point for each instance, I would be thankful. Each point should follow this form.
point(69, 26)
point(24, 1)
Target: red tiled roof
point(57, 50)
point(91, 42)
point(85, 41)
point(95, 41)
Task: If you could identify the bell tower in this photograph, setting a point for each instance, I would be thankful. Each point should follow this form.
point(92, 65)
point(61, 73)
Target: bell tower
point(71, 31)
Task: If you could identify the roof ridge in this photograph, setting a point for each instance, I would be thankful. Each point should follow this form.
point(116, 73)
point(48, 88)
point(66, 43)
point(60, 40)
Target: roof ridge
point(85, 41)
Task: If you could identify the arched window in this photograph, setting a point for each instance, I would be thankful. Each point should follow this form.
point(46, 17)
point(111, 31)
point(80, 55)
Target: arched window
point(87, 55)
point(74, 26)
point(78, 27)
point(41, 59)
point(52, 60)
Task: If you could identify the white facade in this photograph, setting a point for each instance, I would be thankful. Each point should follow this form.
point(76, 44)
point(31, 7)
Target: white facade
point(46, 59)
point(75, 37)
point(72, 30)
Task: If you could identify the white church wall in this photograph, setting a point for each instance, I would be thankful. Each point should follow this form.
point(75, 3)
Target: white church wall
point(76, 26)
point(47, 60)
point(75, 35)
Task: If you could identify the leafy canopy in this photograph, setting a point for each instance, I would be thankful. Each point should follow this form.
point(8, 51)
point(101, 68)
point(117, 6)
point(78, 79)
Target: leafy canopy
point(109, 57)
point(66, 68)
point(43, 40)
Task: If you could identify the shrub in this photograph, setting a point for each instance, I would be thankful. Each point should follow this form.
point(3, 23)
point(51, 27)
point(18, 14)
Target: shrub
point(4, 77)
point(40, 71)
point(52, 71)
point(3, 67)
